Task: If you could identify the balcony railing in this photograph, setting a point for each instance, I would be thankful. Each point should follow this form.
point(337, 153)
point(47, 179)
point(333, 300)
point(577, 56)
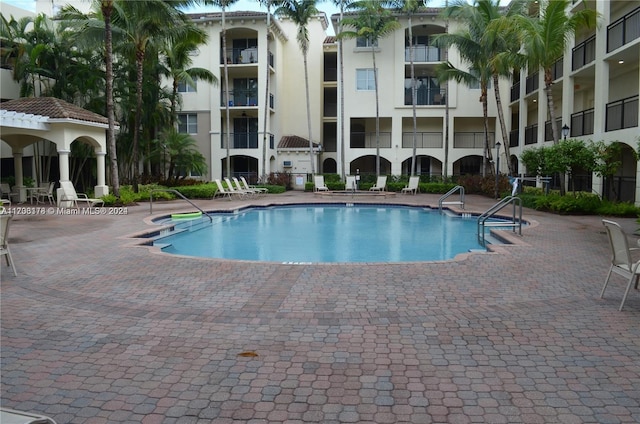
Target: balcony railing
point(272, 101)
point(424, 140)
point(271, 60)
point(331, 74)
point(532, 82)
point(624, 30)
point(367, 140)
point(582, 123)
point(426, 96)
point(471, 140)
point(622, 114)
point(240, 98)
point(548, 131)
point(424, 54)
point(240, 56)
point(584, 53)
point(531, 134)
point(514, 135)
point(242, 140)
point(330, 110)
point(556, 71)
point(515, 91)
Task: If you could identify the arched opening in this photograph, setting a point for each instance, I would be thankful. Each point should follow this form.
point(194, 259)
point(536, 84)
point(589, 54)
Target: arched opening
point(622, 186)
point(329, 166)
point(366, 165)
point(425, 165)
point(468, 165)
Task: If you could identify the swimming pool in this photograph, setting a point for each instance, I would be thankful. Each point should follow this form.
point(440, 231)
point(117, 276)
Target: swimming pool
point(327, 234)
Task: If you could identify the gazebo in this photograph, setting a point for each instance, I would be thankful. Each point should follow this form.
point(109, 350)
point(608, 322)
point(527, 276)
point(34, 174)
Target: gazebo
point(27, 120)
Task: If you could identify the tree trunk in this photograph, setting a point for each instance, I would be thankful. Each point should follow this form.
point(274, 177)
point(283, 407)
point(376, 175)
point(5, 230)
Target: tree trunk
point(413, 98)
point(503, 126)
point(485, 115)
point(138, 115)
point(375, 82)
point(226, 90)
point(306, 84)
point(341, 65)
point(266, 97)
point(548, 82)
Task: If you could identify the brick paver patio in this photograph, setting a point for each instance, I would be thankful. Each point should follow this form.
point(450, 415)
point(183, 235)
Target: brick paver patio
point(98, 330)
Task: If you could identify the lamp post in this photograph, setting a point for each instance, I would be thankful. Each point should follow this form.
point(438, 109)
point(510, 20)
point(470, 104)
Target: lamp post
point(565, 131)
point(497, 167)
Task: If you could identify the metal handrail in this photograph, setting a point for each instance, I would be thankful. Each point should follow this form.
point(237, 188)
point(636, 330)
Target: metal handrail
point(441, 201)
point(515, 223)
point(180, 195)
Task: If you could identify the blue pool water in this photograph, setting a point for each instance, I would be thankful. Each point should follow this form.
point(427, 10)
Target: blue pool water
point(327, 233)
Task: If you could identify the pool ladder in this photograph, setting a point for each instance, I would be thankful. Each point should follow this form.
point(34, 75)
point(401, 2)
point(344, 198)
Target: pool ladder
point(179, 195)
point(460, 202)
point(515, 222)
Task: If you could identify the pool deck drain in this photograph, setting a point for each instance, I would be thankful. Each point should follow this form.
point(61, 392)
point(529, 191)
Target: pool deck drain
point(98, 330)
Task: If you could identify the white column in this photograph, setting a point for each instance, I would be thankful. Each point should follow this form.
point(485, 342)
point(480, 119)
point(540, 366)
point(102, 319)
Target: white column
point(101, 189)
point(63, 161)
point(601, 88)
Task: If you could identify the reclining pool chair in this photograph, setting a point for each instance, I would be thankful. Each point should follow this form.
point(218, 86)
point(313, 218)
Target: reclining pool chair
point(621, 262)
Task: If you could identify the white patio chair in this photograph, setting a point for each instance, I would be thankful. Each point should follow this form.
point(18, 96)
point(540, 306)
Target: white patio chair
point(351, 184)
point(5, 218)
point(412, 187)
point(233, 190)
point(259, 190)
point(46, 194)
point(318, 183)
point(381, 184)
point(621, 262)
point(221, 192)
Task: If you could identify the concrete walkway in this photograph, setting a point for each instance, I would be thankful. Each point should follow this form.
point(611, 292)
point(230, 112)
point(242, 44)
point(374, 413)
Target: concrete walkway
point(98, 330)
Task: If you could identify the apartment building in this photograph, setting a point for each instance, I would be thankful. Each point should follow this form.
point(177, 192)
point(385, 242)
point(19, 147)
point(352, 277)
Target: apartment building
point(596, 88)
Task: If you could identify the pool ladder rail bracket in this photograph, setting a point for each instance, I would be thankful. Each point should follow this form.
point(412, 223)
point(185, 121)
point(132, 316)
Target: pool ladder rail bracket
point(513, 223)
point(445, 196)
point(179, 195)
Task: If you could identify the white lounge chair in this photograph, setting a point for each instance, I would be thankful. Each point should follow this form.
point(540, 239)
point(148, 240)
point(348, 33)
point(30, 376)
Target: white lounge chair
point(621, 262)
point(233, 190)
point(351, 184)
point(381, 184)
point(239, 188)
point(221, 192)
point(412, 187)
point(318, 183)
point(4, 240)
point(71, 198)
point(6, 195)
point(258, 190)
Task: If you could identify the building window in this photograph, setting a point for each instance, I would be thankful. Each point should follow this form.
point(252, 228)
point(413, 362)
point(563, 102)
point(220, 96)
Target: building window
point(366, 42)
point(188, 123)
point(365, 79)
point(183, 87)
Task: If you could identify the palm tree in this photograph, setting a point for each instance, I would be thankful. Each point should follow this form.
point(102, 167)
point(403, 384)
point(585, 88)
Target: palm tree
point(267, 4)
point(545, 39)
point(490, 26)
point(469, 45)
point(342, 4)
point(301, 12)
point(223, 5)
point(177, 58)
point(91, 27)
point(373, 23)
point(410, 7)
point(143, 22)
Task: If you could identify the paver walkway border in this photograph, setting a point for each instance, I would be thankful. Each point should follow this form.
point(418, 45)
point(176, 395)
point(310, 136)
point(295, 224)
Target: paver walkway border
point(98, 330)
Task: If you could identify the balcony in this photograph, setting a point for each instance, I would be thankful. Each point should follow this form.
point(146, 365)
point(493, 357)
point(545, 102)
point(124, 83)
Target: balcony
point(425, 96)
point(424, 54)
point(582, 123)
point(471, 140)
point(584, 53)
point(514, 135)
point(515, 91)
point(237, 56)
point(241, 98)
point(242, 140)
point(367, 140)
point(531, 134)
point(624, 30)
point(548, 130)
point(532, 82)
point(622, 114)
point(556, 70)
point(424, 140)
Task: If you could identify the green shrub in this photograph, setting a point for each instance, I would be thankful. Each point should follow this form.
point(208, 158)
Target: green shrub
point(199, 191)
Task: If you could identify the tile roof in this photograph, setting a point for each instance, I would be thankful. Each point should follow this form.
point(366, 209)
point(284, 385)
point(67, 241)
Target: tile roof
point(52, 108)
point(218, 15)
point(330, 39)
point(294, 142)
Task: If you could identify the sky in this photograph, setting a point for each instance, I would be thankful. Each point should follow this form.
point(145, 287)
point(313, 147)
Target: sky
point(325, 6)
